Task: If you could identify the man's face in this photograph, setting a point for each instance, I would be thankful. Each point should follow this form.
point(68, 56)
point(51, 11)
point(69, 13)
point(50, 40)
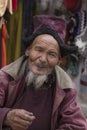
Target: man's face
point(43, 54)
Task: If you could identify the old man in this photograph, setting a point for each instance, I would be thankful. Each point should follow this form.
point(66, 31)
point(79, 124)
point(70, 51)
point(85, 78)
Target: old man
point(35, 93)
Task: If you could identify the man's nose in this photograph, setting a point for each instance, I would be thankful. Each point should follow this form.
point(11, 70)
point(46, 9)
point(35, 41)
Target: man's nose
point(43, 58)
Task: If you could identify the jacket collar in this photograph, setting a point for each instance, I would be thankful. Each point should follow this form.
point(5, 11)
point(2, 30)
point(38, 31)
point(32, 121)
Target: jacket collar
point(63, 79)
point(16, 68)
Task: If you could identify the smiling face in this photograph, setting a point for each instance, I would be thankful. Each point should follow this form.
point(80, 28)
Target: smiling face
point(43, 54)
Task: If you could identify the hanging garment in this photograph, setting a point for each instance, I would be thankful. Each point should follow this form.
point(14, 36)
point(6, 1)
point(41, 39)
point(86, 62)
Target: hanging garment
point(1, 23)
point(84, 5)
point(4, 4)
point(4, 36)
point(74, 5)
point(27, 28)
point(9, 6)
point(42, 6)
point(14, 4)
point(14, 27)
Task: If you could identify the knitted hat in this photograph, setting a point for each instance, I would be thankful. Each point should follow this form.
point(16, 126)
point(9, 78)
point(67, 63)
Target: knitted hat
point(46, 29)
point(73, 5)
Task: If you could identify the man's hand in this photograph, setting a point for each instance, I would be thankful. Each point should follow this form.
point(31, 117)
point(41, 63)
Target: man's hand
point(19, 119)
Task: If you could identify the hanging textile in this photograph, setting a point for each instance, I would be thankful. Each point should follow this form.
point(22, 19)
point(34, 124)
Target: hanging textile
point(1, 22)
point(74, 5)
point(27, 22)
point(14, 27)
point(9, 6)
point(14, 4)
point(4, 5)
point(4, 36)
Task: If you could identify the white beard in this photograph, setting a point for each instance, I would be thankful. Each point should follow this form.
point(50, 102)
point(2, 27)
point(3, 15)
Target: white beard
point(36, 80)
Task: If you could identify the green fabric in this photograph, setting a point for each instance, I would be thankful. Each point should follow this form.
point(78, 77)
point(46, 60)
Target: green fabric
point(14, 27)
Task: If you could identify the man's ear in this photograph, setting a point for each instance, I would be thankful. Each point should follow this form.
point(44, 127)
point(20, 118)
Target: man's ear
point(59, 60)
point(27, 52)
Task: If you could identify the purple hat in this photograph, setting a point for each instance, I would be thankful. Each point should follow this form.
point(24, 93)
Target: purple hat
point(58, 23)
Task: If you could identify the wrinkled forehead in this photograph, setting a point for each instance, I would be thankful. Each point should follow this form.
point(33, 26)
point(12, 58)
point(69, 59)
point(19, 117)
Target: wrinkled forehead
point(45, 39)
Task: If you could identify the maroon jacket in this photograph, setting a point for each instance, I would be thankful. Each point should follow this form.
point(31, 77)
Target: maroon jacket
point(66, 114)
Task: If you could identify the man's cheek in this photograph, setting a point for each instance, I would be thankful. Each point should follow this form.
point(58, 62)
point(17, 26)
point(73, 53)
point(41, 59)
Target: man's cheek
point(53, 63)
point(33, 58)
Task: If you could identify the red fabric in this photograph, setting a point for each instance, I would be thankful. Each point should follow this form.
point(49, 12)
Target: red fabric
point(14, 4)
point(4, 35)
point(73, 5)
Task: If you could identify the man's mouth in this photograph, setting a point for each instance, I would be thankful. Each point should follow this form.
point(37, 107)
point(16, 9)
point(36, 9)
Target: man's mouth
point(41, 66)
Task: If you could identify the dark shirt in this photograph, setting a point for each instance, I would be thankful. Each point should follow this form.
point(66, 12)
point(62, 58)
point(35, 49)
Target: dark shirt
point(40, 102)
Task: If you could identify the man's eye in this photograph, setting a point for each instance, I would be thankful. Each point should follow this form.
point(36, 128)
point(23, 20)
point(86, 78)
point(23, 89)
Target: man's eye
point(38, 49)
point(52, 55)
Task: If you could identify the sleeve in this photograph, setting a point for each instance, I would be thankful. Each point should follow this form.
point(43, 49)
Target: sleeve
point(3, 90)
point(3, 112)
point(70, 114)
